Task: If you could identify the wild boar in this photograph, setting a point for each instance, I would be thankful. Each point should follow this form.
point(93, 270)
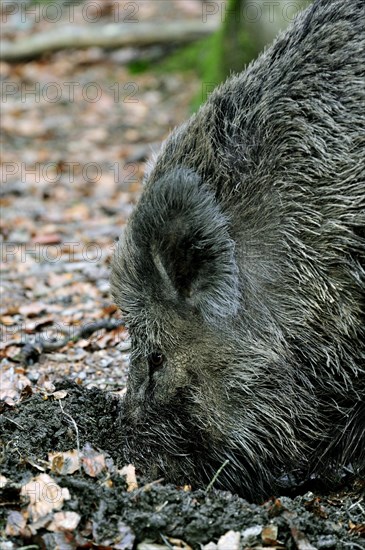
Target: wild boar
point(241, 272)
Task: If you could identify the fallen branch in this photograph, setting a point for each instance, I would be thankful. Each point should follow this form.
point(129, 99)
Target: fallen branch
point(110, 36)
point(31, 351)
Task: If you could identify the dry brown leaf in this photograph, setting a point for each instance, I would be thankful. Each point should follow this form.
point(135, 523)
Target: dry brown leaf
point(93, 462)
point(44, 496)
point(130, 473)
point(77, 212)
point(51, 238)
point(109, 309)
point(12, 309)
point(64, 463)
point(49, 387)
point(12, 384)
point(64, 521)
point(124, 539)
point(15, 523)
point(269, 534)
point(358, 528)
point(3, 481)
point(37, 324)
point(178, 543)
point(8, 321)
point(229, 541)
point(301, 540)
point(33, 309)
point(60, 394)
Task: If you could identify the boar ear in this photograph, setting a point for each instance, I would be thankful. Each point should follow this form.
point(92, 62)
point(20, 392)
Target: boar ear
point(190, 247)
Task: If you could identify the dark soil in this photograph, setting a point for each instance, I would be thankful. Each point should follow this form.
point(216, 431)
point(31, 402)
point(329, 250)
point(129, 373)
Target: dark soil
point(112, 517)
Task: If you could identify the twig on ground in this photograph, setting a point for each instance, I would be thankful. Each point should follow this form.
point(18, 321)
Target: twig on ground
point(14, 422)
point(215, 477)
point(109, 36)
point(76, 429)
point(32, 351)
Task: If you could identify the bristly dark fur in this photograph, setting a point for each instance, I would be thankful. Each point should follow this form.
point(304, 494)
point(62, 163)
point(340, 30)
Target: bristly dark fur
point(244, 265)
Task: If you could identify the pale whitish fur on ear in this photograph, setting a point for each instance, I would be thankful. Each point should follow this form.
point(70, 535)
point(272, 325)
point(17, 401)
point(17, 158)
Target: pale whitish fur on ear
point(150, 164)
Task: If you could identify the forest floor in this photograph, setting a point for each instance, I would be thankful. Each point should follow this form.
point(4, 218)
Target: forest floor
point(78, 128)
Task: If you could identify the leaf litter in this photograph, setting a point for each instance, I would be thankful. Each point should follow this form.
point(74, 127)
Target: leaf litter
point(86, 478)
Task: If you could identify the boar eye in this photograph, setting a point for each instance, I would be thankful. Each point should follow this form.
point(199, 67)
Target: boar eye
point(156, 359)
